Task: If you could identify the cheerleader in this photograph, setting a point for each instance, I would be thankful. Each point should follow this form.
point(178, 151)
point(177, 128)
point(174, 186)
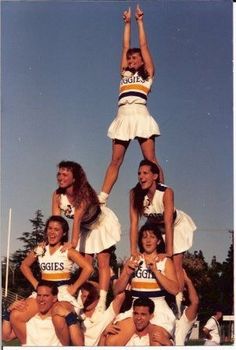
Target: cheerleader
point(95, 229)
point(155, 201)
point(150, 276)
point(55, 266)
point(133, 119)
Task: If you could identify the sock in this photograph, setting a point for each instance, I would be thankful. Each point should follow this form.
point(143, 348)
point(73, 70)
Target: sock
point(179, 299)
point(79, 300)
point(103, 197)
point(102, 300)
point(101, 306)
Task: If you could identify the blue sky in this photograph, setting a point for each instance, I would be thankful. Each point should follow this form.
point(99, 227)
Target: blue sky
point(60, 78)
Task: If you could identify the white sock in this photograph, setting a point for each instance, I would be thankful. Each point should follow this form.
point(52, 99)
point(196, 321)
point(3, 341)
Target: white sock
point(102, 299)
point(103, 197)
point(101, 306)
point(179, 299)
point(79, 300)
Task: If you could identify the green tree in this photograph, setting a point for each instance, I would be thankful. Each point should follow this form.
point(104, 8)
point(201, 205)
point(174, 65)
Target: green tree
point(29, 240)
point(206, 280)
point(214, 282)
point(226, 282)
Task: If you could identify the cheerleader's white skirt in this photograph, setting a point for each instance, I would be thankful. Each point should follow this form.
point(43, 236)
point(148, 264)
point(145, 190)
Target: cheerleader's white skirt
point(183, 232)
point(101, 235)
point(133, 120)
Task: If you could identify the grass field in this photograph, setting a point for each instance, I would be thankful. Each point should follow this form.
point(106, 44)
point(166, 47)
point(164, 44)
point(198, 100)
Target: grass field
point(13, 342)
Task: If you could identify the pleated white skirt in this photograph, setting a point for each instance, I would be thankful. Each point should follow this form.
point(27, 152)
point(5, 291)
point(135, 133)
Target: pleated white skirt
point(133, 120)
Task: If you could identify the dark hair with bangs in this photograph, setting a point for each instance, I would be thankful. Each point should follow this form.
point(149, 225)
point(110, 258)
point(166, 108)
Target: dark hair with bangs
point(146, 302)
point(64, 226)
point(156, 231)
point(142, 72)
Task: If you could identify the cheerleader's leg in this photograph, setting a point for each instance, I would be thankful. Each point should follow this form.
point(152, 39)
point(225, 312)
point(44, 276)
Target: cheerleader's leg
point(104, 282)
point(118, 152)
point(178, 263)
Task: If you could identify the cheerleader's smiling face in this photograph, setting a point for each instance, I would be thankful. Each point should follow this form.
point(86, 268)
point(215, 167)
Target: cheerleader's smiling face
point(54, 233)
point(149, 241)
point(146, 178)
point(134, 61)
point(65, 178)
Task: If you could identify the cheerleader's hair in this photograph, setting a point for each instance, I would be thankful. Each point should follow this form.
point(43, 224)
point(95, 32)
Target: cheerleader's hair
point(138, 193)
point(82, 190)
point(93, 293)
point(153, 167)
point(156, 231)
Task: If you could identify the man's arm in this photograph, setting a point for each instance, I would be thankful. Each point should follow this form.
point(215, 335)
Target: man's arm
point(206, 331)
point(125, 275)
point(159, 336)
point(117, 302)
point(208, 328)
point(67, 325)
point(7, 331)
point(111, 329)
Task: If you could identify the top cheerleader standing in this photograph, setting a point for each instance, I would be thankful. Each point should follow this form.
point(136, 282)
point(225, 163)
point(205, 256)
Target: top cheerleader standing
point(133, 119)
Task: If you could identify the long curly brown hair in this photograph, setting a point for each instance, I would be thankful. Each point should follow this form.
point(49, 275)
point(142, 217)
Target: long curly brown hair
point(82, 190)
point(137, 192)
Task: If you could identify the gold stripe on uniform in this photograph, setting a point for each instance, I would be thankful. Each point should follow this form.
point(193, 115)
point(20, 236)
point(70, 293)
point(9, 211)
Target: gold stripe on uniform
point(145, 285)
point(134, 87)
point(56, 276)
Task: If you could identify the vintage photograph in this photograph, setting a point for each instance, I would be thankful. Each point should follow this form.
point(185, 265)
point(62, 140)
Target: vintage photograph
point(117, 217)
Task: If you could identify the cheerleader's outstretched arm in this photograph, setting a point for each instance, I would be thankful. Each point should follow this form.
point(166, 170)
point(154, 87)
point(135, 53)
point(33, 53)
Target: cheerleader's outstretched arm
point(126, 38)
point(143, 44)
